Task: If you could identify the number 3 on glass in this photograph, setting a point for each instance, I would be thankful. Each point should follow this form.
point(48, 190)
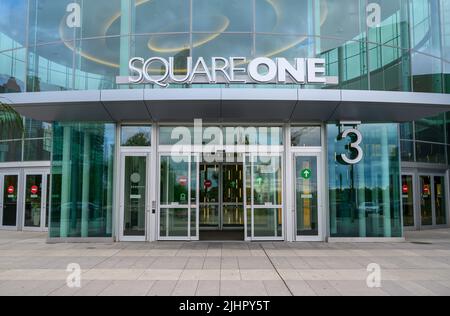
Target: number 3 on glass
point(353, 147)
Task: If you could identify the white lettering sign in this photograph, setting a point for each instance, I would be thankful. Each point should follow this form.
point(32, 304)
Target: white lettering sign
point(162, 72)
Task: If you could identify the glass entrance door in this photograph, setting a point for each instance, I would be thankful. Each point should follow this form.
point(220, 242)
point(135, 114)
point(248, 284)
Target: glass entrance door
point(264, 197)
point(178, 204)
point(433, 204)
point(9, 186)
point(307, 197)
point(221, 196)
point(36, 200)
point(135, 196)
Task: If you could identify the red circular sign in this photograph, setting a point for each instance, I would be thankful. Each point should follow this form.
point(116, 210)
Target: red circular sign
point(405, 188)
point(183, 180)
point(207, 184)
point(34, 189)
point(10, 189)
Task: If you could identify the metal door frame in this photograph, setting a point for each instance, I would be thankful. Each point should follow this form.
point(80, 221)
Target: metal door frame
point(13, 172)
point(123, 155)
point(44, 173)
point(321, 218)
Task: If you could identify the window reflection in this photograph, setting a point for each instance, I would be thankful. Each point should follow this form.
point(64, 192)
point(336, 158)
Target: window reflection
point(364, 198)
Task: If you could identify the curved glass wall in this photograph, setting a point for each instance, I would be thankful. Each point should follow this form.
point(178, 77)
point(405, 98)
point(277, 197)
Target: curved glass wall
point(397, 45)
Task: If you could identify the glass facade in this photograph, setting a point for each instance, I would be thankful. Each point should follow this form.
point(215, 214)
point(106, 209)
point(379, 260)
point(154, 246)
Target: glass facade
point(397, 45)
point(365, 198)
point(82, 180)
point(34, 144)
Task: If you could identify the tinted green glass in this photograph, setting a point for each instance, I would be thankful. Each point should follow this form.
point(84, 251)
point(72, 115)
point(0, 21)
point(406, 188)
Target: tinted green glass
point(431, 129)
point(10, 151)
point(82, 180)
point(364, 198)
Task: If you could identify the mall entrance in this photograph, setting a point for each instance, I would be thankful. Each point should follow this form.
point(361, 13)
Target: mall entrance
point(222, 201)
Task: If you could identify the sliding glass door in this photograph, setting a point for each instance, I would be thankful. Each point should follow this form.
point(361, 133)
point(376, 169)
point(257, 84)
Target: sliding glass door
point(264, 197)
point(178, 205)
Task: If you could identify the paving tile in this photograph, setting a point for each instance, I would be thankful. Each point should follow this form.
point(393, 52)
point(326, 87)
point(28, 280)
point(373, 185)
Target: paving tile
point(127, 288)
point(356, 288)
point(162, 288)
point(185, 288)
point(161, 274)
point(242, 288)
point(276, 288)
point(323, 288)
point(300, 288)
point(208, 288)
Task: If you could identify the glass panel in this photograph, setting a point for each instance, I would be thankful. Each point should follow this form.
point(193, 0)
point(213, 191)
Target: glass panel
point(209, 177)
point(174, 222)
point(174, 180)
point(249, 222)
point(284, 17)
point(82, 180)
point(407, 131)
point(426, 209)
point(12, 71)
point(13, 24)
point(408, 201)
point(97, 62)
point(365, 198)
point(431, 129)
point(209, 196)
point(37, 129)
point(135, 189)
point(209, 216)
point(37, 149)
point(11, 151)
point(407, 150)
point(267, 181)
point(233, 216)
point(165, 16)
point(233, 183)
point(138, 136)
point(50, 67)
point(33, 200)
point(307, 196)
point(10, 188)
point(193, 222)
point(46, 17)
point(439, 201)
point(222, 16)
point(267, 222)
point(176, 135)
point(430, 153)
point(305, 136)
point(47, 204)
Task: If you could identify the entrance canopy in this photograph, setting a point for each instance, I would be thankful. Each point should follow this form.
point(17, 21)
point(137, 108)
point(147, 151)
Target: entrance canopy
point(229, 105)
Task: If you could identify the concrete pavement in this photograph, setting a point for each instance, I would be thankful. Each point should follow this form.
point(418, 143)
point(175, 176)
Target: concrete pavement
point(420, 266)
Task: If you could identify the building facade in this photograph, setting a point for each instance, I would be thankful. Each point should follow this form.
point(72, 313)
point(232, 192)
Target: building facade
point(288, 120)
